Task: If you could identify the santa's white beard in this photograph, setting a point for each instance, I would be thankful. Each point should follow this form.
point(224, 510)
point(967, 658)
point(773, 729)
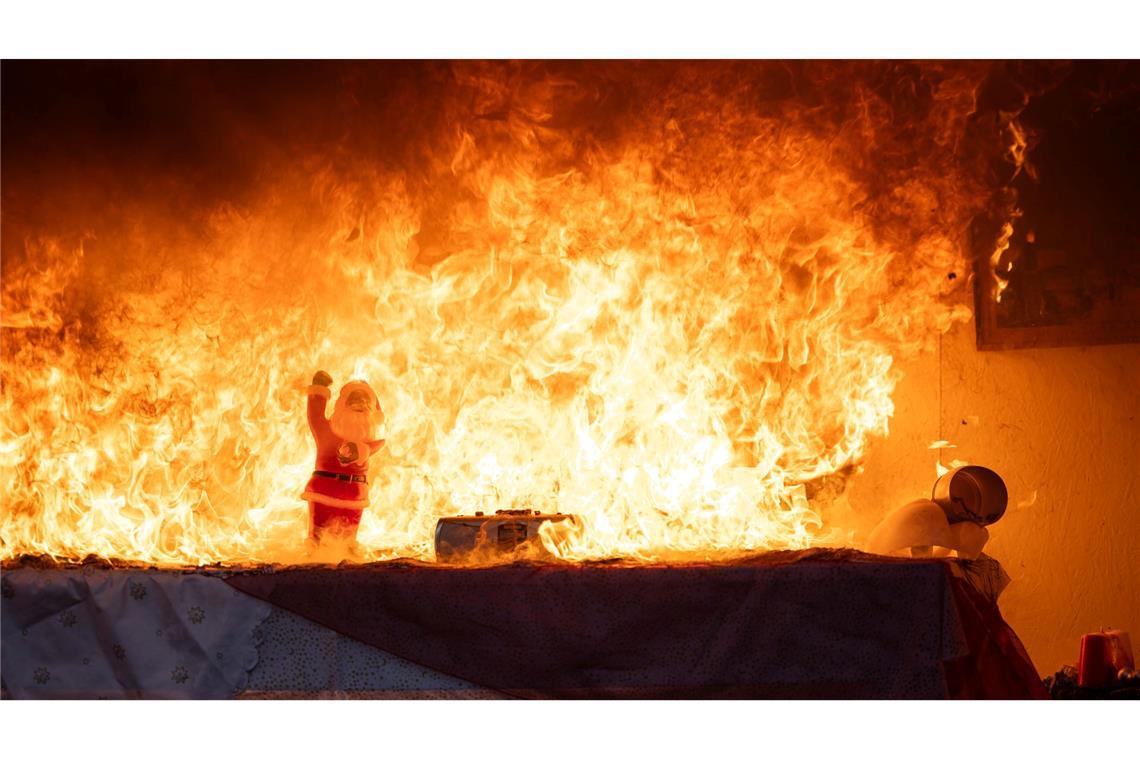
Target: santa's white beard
point(351, 425)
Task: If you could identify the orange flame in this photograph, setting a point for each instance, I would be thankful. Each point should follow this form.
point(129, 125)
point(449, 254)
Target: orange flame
point(668, 330)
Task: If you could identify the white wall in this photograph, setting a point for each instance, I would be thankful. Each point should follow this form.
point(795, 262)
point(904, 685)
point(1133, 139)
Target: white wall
point(1061, 423)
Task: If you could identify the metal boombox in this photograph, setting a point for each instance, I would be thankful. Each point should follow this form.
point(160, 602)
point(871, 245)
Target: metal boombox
point(507, 532)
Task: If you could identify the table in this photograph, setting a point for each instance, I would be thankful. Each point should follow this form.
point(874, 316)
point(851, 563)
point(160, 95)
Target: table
point(812, 624)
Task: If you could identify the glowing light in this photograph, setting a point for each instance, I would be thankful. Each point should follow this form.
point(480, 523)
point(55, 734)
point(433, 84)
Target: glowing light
point(667, 334)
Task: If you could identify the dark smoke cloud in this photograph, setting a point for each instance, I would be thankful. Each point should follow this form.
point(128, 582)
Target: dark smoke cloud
point(98, 151)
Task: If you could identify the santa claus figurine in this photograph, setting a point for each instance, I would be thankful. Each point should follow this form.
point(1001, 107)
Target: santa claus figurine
point(338, 491)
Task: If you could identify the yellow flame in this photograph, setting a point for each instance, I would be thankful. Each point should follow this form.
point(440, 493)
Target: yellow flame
point(1017, 152)
point(1019, 142)
point(1001, 283)
point(668, 336)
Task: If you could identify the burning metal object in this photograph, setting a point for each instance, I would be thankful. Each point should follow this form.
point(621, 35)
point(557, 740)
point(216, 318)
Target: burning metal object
point(971, 494)
point(507, 533)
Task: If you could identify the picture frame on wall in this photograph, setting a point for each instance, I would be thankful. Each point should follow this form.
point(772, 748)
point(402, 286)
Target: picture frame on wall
point(1066, 271)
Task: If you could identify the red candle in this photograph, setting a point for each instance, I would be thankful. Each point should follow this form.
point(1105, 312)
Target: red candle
point(1102, 656)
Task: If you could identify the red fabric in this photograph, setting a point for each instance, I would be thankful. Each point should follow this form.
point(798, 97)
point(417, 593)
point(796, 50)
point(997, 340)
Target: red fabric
point(328, 448)
point(324, 519)
point(830, 624)
point(997, 667)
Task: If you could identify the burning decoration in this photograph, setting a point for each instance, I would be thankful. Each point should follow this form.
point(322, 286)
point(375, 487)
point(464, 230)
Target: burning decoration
point(338, 490)
point(663, 298)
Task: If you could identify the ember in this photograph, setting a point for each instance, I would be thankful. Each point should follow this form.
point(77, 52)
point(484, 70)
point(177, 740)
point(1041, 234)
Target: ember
point(664, 298)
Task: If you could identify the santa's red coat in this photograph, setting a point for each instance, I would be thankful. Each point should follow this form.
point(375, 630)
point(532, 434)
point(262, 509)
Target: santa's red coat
point(331, 491)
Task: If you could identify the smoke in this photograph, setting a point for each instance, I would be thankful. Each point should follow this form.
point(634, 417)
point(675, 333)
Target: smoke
point(183, 177)
point(102, 148)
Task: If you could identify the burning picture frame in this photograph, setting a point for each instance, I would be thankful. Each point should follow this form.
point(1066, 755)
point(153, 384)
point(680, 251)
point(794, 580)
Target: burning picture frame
point(1066, 270)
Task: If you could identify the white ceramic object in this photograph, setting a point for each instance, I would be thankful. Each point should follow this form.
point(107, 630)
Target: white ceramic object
point(915, 529)
point(969, 539)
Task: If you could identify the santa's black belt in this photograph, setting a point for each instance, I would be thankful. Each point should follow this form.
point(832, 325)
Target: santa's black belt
point(341, 476)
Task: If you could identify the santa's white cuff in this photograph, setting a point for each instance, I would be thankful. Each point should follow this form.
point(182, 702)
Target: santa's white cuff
point(318, 390)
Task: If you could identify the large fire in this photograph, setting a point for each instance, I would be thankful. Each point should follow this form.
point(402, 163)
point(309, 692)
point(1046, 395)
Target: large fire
point(665, 298)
